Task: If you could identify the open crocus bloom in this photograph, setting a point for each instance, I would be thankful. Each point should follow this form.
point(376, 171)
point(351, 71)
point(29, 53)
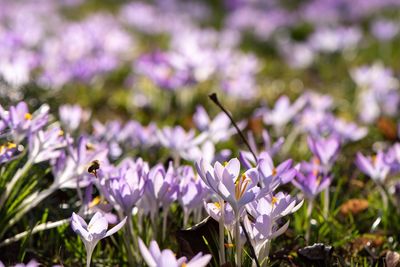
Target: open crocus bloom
point(272, 177)
point(93, 232)
point(310, 180)
point(326, 150)
point(373, 166)
point(21, 122)
point(225, 181)
point(154, 257)
point(214, 210)
point(263, 217)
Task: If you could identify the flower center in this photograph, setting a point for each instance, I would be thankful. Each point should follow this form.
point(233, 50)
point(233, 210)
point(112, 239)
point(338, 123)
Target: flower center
point(240, 186)
point(94, 202)
point(274, 171)
point(374, 159)
point(28, 116)
point(216, 204)
point(319, 178)
point(274, 200)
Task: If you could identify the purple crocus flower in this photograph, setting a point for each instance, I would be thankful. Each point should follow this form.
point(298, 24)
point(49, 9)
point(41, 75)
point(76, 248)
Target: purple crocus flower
point(270, 149)
point(348, 131)
point(271, 177)
point(217, 130)
point(373, 166)
point(161, 190)
point(31, 263)
point(276, 205)
point(154, 257)
point(139, 135)
point(214, 210)
point(93, 232)
point(46, 145)
point(180, 142)
point(265, 213)
point(192, 191)
point(385, 30)
point(167, 70)
point(282, 113)
point(21, 122)
point(392, 157)
point(325, 149)
point(225, 181)
point(125, 185)
point(111, 134)
point(310, 180)
point(71, 116)
point(70, 169)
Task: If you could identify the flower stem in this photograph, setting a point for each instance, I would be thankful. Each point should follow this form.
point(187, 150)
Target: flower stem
point(164, 225)
point(185, 217)
point(308, 218)
point(222, 233)
point(89, 252)
point(237, 239)
point(134, 238)
point(125, 237)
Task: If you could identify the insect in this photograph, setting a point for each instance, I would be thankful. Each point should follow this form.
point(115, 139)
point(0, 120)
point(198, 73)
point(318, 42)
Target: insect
point(94, 166)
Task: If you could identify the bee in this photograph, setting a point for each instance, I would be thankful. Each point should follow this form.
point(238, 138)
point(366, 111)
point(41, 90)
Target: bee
point(93, 167)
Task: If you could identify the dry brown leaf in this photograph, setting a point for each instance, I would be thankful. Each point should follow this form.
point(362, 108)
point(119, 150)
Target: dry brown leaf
point(353, 206)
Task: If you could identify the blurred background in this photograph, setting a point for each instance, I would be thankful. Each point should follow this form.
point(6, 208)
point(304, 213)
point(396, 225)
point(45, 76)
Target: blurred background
point(157, 60)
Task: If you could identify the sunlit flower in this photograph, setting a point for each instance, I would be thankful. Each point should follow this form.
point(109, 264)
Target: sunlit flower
point(93, 232)
point(373, 166)
point(154, 257)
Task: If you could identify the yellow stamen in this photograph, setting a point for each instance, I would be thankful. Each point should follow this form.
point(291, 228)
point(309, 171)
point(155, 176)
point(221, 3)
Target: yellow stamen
point(373, 159)
point(184, 264)
point(274, 171)
point(274, 200)
point(240, 186)
point(229, 245)
point(217, 205)
point(11, 145)
point(225, 163)
point(60, 133)
point(319, 180)
point(94, 202)
point(28, 116)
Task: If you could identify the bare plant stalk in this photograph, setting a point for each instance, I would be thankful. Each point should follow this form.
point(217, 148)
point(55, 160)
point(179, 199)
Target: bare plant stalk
point(222, 233)
point(164, 224)
point(237, 239)
point(252, 251)
point(308, 218)
point(36, 229)
point(89, 253)
point(214, 98)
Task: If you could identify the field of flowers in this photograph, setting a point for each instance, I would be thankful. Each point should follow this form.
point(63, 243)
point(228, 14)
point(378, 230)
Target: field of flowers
point(190, 133)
